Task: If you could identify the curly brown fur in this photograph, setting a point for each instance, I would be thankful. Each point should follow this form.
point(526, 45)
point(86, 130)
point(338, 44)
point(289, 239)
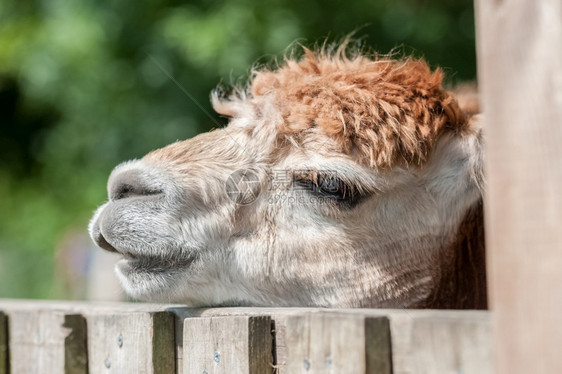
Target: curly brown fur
point(385, 111)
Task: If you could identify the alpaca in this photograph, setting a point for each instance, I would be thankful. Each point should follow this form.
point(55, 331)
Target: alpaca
point(342, 180)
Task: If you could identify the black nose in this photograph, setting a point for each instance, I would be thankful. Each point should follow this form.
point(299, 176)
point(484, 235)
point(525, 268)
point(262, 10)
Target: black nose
point(130, 183)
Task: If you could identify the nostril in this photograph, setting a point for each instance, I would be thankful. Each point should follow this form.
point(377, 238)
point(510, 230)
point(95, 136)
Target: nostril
point(123, 191)
point(131, 183)
point(102, 243)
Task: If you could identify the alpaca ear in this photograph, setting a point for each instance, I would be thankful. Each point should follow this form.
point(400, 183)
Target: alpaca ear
point(475, 125)
point(456, 166)
point(467, 98)
point(466, 95)
point(460, 157)
point(233, 105)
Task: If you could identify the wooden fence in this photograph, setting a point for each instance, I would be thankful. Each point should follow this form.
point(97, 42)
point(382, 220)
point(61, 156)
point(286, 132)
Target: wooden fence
point(520, 76)
point(64, 337)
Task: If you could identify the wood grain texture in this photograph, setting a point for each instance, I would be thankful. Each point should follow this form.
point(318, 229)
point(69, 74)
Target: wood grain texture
point(449, 345)
point(336, 343)
point(134, 342)
point(47, 342)
point(439, 342)
point(95, 310)
point(444, 340)
point(225, 345)
point(520, 77)
point(278, 317)
point(3, 344)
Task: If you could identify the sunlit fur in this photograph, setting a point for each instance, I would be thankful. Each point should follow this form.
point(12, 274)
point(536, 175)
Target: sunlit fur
point(385, 126)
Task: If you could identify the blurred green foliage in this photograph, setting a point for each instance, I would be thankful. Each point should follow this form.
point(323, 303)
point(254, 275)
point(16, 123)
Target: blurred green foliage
point(84, 85)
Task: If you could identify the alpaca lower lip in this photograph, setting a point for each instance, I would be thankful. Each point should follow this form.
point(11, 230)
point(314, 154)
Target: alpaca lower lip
point(152, 264)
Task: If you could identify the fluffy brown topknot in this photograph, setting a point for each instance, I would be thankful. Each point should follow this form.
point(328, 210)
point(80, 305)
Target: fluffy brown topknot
point(382, 110)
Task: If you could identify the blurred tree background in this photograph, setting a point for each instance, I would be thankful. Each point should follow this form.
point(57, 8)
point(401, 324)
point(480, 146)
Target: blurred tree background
point(87, 84)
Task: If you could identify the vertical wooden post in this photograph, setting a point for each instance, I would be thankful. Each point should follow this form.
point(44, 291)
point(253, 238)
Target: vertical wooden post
point(331, 343)
point(224, 345)
point(3, 344)
point(520, 78)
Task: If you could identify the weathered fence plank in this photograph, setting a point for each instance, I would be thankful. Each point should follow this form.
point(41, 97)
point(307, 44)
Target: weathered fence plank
point(438, 341)
point(47, 342)
point(520, 77)
point(278, 316)
point(225, 345)
point(3, 344)
point(450, 345)
point(135, 342)
point(330, 343)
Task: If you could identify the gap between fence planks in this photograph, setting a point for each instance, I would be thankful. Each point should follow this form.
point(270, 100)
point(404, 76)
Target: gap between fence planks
point(3, 344)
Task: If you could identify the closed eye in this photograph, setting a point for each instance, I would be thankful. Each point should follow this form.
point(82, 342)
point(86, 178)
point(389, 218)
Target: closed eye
point(329, 186)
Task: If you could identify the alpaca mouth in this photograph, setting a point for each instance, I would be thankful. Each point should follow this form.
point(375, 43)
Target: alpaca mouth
point(134, 261)
point(104, 244)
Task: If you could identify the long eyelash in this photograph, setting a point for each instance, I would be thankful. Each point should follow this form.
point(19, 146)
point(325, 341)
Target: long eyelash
point(313, 181)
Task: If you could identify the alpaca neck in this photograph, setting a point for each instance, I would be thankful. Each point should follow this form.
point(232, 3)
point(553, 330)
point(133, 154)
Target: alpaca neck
point(462, 283)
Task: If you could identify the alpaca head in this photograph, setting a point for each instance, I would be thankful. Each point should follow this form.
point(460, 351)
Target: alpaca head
point(339, 181)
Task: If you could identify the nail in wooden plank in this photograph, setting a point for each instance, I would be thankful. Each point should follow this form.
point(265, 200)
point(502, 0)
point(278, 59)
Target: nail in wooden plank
point(47, 342)
point(225, 345)
point(135, 342)
point(333, 343)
